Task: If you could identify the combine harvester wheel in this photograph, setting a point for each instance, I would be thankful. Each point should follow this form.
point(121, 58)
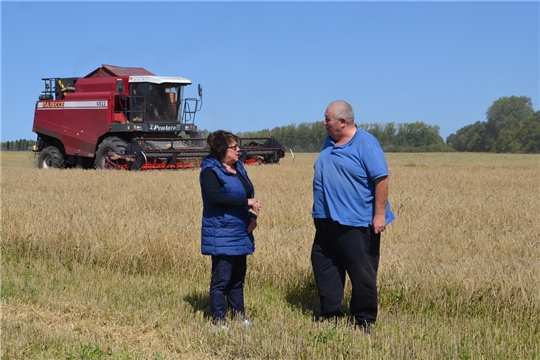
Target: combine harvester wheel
point(110, 153)
point(50, 157)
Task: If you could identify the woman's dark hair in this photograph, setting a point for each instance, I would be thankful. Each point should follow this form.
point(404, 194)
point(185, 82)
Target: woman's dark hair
point(219, 143)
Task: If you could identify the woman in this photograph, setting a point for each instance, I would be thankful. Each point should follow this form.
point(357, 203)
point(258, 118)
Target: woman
point(227, 224)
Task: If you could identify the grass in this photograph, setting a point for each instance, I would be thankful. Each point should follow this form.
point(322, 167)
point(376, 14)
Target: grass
point(107, 265)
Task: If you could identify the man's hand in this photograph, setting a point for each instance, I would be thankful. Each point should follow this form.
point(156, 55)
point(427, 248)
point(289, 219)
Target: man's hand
point(379, 224)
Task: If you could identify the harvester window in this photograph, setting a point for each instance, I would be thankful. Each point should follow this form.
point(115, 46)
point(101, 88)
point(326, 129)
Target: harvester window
point(155, 103)
point(119, 86)
point(161, 101)
point(137, 99)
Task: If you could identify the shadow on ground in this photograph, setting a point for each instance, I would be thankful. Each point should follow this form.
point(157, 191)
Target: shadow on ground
point(199, 301)
point(301, 294)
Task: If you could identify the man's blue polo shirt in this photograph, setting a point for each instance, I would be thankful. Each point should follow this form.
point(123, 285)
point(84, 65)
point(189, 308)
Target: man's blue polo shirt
point(343, 187)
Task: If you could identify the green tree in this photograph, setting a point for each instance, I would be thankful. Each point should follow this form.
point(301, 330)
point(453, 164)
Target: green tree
point(504, 115)
point(303, 136)
point(528, 134)
point(418, 135)
point(507, 142)
point(512, 126)
point(469, 138)
point(318, 133)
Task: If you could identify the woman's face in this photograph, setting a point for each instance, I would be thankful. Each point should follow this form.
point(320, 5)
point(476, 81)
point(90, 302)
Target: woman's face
point(233, 153)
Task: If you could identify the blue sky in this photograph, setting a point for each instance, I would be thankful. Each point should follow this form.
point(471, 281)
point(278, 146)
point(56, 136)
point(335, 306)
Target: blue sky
point(268, 64)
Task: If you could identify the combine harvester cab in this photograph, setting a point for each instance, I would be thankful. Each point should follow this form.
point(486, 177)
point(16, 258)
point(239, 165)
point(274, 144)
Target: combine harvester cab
point(126, 118)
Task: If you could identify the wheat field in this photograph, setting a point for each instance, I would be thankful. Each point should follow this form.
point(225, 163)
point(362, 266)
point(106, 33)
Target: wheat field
point(107, 264)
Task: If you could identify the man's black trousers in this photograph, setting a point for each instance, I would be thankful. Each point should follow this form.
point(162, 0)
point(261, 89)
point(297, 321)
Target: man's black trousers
point(337, 250)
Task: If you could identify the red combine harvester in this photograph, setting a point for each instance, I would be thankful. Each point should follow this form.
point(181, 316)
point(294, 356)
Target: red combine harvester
point(127, 118)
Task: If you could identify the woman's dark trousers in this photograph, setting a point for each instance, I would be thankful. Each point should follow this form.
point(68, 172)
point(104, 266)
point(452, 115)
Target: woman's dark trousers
point(337, 250)
point(227, 286)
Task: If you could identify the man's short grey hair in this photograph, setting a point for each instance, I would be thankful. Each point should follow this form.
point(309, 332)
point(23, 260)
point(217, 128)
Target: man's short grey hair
point(343, 110)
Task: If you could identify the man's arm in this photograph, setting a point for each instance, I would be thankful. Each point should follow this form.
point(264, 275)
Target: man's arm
point(381, 199)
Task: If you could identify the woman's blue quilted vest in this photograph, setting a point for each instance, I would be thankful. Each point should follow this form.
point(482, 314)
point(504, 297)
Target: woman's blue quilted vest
point(224, 230)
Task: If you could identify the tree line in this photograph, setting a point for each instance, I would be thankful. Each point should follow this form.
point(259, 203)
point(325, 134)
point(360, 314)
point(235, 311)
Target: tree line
point(309, 137)
point(17, 145)
point(512, 126)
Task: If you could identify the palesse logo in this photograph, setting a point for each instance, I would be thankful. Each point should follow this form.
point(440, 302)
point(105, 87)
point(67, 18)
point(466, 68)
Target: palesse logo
point(155, 127)
point(53, 104)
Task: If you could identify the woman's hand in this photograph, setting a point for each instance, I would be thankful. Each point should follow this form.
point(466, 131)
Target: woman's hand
point(252, 225)
point(255, 205)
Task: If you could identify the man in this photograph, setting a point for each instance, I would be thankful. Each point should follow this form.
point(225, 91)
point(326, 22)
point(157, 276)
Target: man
point(350, 210)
